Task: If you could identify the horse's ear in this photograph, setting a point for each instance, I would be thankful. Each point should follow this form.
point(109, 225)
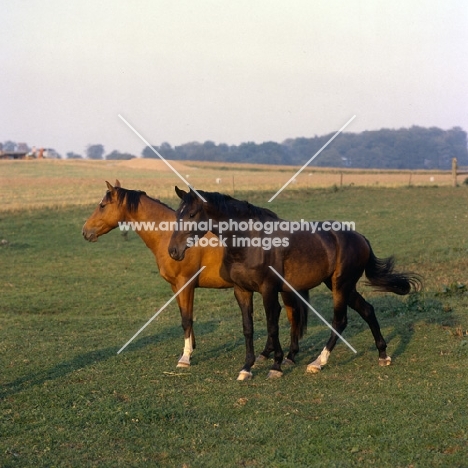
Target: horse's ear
point(109, 186)
point(180, 193)
point(117, 183)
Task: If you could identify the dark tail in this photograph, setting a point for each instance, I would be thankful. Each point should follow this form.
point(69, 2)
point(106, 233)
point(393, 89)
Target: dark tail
point(381, 275)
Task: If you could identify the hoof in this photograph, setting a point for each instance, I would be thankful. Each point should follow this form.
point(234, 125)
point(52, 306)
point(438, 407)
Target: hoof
point(184, 362)
point(274, 374)
point(385, 361)
point(245, 375)
point(313, 368)
point(288, 362)
point(261, 358)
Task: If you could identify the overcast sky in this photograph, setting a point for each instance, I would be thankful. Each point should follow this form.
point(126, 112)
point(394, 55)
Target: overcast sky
point(227, 71)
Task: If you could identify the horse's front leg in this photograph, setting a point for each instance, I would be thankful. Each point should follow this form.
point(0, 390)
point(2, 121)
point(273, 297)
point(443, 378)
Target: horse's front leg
point(245, 301)
point(272, 311)
point(297, 315)
point(185, 301)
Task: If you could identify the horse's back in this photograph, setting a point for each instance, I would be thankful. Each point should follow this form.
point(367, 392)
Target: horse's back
point(312, 258)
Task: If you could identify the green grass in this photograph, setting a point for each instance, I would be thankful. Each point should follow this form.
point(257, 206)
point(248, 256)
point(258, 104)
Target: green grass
point(67, 306)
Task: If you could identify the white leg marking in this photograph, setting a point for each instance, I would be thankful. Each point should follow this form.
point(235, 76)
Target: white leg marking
point(316, 366)
point(184, 361)
point(324, 355)
point(385, 361)
point(244, 375)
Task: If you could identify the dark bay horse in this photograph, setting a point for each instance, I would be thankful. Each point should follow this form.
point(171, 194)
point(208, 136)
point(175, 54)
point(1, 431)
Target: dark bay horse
point(132, 206)
point(304, 259)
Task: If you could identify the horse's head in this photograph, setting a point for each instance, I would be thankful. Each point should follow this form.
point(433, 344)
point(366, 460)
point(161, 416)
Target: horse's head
point(106, 216)
point(191, 221)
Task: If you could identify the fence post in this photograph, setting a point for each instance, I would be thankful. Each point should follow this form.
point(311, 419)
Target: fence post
point(454, 172)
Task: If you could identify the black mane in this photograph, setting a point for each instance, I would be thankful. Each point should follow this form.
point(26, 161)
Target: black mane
point(237, 208)
point(132, 198)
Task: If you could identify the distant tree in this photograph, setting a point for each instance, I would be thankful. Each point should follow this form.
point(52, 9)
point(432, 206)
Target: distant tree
point(117, 155)
point(72, 155)
point(94, 151)
point(165, 150)
point(209, 151)
point(190, 151)
point(148, 152)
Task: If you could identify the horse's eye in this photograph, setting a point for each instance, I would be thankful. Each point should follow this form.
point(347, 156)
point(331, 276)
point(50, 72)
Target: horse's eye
point(101, 206)
point(191, 215)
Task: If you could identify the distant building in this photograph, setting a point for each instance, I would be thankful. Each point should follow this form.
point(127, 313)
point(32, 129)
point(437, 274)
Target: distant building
point(23, 147)
point(50, 153)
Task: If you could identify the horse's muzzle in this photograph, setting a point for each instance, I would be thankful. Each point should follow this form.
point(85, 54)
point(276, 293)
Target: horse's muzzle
point(89, 235)
point(176, 254)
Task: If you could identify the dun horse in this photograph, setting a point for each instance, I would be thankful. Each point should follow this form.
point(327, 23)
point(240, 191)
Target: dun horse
point(122, 205)
point(303, 259)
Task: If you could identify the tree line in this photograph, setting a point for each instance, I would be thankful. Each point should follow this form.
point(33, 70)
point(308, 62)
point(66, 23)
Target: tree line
point(407, 148)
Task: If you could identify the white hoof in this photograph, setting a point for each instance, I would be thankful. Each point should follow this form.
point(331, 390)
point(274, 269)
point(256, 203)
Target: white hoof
point(274, 374)
point(288, 362)
point(385, 361)
point(313, 368)
point(184, 361)
point(245, 375)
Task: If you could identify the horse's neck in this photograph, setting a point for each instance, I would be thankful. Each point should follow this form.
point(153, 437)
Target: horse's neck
point(154, 213)
point(219, 214)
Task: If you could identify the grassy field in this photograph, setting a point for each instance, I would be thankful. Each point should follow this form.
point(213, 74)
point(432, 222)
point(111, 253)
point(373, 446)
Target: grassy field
point(67, 398)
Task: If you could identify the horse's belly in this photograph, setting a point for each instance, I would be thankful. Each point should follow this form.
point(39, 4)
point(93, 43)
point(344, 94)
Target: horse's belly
point(308, 270)
point(300, 281)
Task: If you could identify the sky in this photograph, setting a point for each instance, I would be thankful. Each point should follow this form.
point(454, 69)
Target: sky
point(227, 72)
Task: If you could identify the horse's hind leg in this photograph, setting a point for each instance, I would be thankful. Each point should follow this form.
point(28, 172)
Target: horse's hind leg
point(340, 320)
point(366, 311)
